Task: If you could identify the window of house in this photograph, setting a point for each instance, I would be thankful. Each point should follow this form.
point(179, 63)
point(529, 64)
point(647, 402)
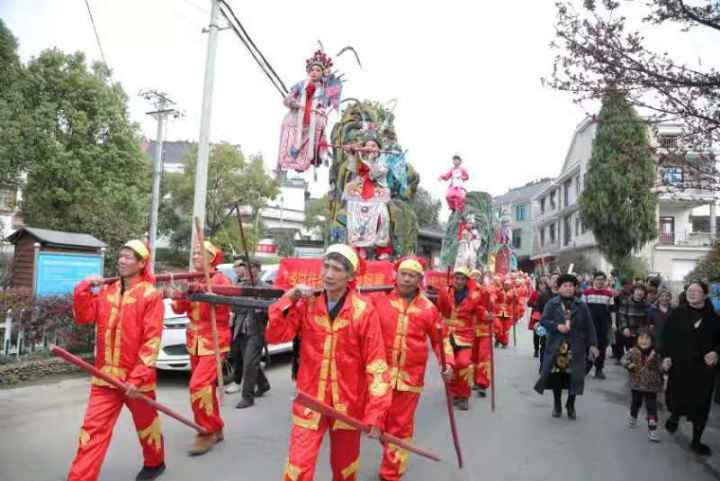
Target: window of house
point(566, 192)
point(542, 236)
point(578, 185)
point(578, 226)
point(673, 175)
point(551, 233)
point(567, 230)
point(668, 141)
point(542, 205)
point(552, 200)
point(520, 212)
point(517, 238)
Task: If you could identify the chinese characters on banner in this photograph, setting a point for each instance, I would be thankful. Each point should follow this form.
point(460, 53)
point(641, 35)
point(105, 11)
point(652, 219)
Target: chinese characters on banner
point(294, 271)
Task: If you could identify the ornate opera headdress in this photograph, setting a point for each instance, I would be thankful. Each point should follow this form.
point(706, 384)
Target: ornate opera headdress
point(320, 59)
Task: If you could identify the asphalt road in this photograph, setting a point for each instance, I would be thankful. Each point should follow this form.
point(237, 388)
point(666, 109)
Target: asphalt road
point(521, 441)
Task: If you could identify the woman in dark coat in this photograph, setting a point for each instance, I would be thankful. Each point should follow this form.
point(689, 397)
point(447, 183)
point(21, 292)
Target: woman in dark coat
point(690, 347)
point(570, 333)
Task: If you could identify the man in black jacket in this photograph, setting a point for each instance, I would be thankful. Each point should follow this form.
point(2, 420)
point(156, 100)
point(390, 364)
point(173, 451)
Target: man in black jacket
point(248, 345)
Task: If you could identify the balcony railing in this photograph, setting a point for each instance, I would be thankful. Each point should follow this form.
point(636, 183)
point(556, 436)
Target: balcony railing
point(685, 239)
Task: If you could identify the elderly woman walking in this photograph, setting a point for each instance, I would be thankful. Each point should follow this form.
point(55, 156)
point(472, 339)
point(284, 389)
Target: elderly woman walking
point(690, 347)
point(570, 334)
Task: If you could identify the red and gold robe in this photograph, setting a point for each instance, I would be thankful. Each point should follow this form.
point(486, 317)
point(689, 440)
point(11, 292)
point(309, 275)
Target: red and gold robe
point(203, 382)
point(342, 363)
point(128, 328)
point(406, 328)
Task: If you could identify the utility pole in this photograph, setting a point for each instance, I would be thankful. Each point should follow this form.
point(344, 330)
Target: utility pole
point(162, 110)
point(201, 168)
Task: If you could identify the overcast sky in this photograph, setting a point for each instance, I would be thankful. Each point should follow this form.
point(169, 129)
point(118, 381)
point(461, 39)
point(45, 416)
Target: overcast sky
point(466, 74)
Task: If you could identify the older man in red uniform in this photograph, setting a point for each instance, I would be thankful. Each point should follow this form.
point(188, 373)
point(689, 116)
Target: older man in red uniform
point(203, 382)
point(342, 363)
point(508, 310)
point(408, 320)
point(128, 318)
point(461, 307)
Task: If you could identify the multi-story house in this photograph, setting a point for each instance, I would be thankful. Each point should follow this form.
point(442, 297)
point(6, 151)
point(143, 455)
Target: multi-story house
point(517, 206)
point(683, 198)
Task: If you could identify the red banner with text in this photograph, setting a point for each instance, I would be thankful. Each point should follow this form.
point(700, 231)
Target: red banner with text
point(293, 271)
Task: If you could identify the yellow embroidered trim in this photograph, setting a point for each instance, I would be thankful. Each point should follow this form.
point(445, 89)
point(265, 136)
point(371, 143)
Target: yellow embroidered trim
point(377, 369)
point(204, 398)
point(292, 472)
point(350, 470)
point(84, 438)
point(151, 435)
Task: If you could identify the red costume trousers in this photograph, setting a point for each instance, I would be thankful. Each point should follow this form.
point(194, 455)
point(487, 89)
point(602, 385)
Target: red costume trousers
point(305, 445)
point(461, 382)
point(502, 332)
point(203, 393)
point(101, 414)
point(481, 360)
point(400, 422)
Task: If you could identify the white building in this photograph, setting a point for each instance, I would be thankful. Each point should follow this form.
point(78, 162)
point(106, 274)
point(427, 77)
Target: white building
point(559, 227)
point(517, 205)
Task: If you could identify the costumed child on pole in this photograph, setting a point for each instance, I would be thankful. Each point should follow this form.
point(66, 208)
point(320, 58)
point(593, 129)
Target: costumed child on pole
point(457, 176)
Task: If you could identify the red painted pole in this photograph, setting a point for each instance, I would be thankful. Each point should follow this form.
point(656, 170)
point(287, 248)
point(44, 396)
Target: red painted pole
point(312, 403)
point(449, 400)
point(72, 359)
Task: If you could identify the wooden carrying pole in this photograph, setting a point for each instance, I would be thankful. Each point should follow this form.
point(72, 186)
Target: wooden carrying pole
point(167, 277)
point(72, 359)
point(449, 401)
point(213, 316)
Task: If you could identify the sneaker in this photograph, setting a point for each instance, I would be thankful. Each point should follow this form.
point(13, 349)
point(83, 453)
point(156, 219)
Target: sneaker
point(700, 448)
point(632, 422)
point(600, 375)
point(653, 436)
point(149, 473)
point(232, 388)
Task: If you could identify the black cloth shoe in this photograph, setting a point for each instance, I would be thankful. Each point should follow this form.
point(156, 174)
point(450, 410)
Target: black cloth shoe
point(536, 355)
point(260, 391)
point(475, 387)
point(463, 404)
point(571, 413)
point(557, 413)
point(700, 448)
point(600, 375)
point(671, 424)
point(244, 403)
point(481, 392)
point(148, 473)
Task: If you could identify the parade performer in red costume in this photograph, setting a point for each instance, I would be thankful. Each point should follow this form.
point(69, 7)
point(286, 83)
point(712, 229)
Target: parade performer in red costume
point(507, 310)
point(128, 318)
point(462, 309)
point(342, 363)
point(203, 383)
point(483, 341)
point(408, 320)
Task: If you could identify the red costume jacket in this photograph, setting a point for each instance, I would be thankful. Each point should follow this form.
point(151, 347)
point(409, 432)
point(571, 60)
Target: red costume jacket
point(128, 327)
point(487, 302)
point(406, 329)
point(199, 331)
point(462, 319)
point(342, 362)
point(508, 305)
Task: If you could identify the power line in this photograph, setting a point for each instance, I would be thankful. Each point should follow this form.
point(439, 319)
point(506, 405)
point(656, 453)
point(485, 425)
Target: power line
point(97, 37)
point(255, 52)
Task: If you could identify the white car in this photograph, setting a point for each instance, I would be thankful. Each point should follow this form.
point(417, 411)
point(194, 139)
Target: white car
point(173, 355)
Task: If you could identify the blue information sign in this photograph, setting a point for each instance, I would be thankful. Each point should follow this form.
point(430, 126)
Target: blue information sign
point(57, 273)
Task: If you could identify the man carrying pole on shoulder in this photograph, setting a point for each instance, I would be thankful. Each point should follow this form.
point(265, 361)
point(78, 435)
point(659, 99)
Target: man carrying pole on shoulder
point(128, 315)
point(462, 309)
point(204, 379)
point(342, 363)
point(408, 320)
